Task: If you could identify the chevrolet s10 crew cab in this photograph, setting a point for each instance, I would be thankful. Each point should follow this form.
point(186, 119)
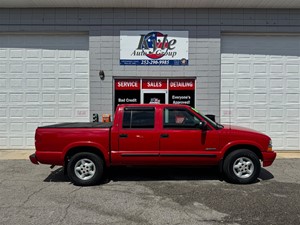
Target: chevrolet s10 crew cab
point(152, 135)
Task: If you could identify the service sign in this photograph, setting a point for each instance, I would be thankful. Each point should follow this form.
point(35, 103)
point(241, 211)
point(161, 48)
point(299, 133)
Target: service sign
point(127, 91)
point(154, 48)
point(128, 84)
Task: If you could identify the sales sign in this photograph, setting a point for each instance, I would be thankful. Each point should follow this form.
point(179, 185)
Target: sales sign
point(154, 48)
point(154, 84)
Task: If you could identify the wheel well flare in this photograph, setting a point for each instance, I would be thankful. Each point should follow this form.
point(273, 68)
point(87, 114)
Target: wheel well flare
point(249, 147)
point(78, 149)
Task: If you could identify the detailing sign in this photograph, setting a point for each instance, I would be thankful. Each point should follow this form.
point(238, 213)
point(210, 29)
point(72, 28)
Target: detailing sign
point(182, 91)
point(154, 48)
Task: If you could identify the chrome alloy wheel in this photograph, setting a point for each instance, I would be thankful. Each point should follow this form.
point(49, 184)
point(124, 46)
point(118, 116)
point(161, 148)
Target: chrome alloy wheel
point(85, 169)
point(243, 167)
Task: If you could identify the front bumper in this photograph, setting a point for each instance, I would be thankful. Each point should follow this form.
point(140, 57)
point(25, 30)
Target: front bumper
point(33, 159)
point(268, 158)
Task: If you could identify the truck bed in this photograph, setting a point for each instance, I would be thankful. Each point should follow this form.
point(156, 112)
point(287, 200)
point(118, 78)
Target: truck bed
point(80, 125)
point(52, 142)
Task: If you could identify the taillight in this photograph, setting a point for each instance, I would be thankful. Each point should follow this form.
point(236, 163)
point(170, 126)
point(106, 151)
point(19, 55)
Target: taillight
point(270, 146)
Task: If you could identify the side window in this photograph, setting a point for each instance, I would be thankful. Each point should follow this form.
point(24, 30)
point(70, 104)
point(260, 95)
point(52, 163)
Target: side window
point(138, 118)
point(179, 118)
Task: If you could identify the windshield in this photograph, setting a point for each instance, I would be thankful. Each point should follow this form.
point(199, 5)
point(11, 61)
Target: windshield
point(214, 124)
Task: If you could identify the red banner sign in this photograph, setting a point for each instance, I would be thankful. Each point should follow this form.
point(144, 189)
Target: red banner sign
point(127, 84)
point(182, 84)
point(154, 84)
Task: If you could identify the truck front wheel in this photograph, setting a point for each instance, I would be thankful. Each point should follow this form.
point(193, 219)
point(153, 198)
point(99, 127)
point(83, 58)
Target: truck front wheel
point(85, 169)
point(242, 166)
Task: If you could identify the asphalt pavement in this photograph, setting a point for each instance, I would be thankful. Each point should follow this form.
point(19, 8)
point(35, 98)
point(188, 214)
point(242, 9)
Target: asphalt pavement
point(36, 194)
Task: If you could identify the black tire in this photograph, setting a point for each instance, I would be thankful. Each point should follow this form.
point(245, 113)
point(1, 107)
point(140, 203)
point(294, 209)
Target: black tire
point(89, 169)
point(241, 167)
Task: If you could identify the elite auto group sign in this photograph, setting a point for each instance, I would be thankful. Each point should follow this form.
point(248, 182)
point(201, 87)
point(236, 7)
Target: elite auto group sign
point(153, 48)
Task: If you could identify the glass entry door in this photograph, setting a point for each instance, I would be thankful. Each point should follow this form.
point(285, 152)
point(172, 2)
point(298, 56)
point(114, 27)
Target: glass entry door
point(154, 97)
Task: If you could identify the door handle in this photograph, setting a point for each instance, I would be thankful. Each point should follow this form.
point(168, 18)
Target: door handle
point(123, 135)
point(164, 135)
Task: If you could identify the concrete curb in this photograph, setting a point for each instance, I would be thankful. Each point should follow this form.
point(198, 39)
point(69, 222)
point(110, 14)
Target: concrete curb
point(288, 155)
point(24, 154)
point(15, 154)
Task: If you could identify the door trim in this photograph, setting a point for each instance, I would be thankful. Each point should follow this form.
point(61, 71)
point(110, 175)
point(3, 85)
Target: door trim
point(138, 155)
point(189, 155)
point(154, 91)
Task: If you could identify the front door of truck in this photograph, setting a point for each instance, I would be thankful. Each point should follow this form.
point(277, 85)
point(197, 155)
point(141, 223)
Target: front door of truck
point(182, 142)
point(138, 136)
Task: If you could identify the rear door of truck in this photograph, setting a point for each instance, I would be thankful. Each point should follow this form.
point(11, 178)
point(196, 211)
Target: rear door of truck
point(138, 137)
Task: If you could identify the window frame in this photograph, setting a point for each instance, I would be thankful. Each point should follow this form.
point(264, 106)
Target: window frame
point(138, 109)
point(180, 126)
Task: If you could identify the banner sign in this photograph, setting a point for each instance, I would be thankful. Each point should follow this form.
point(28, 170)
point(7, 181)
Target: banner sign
point(127, 91)
point(175, 91)
point(182, 84)
point(185, 97)
point(127, 84)
point(154, 84)
point(154, 48)
point(127, 97)
point(182, 91)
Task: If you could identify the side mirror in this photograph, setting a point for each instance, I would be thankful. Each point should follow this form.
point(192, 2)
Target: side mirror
point(202, 125)
point(211, 117)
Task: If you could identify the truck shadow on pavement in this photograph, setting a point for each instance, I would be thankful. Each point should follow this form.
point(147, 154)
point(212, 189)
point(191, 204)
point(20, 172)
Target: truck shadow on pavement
point(119, 174)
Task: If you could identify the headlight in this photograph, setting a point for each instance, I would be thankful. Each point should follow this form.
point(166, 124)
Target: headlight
point(270, 146)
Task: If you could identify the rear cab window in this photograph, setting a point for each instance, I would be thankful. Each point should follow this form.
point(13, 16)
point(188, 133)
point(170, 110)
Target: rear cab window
point(138, 118)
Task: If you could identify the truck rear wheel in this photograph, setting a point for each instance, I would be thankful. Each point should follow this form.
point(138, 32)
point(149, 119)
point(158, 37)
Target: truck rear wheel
point(242, 166)
point(85, 169)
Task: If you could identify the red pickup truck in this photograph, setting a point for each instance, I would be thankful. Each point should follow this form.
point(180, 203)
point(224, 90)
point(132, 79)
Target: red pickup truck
point(152, 135)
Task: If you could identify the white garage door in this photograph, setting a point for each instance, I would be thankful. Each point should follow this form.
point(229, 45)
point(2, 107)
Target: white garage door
point(44, 79)
point(262, 74)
